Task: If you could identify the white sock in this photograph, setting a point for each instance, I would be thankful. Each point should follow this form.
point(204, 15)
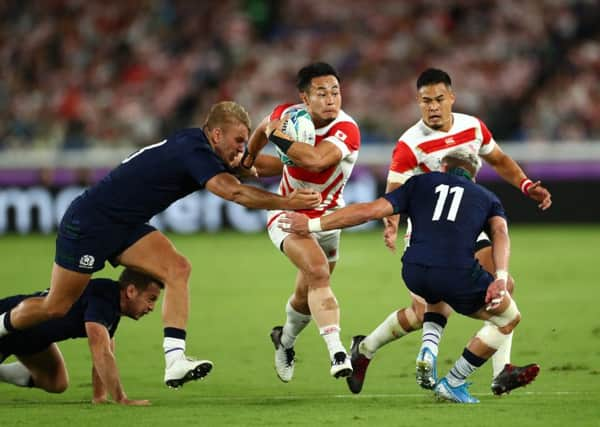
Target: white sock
point(15, 373)
point(388, 331)
point(502, 356)
point(295, 322)
point(174, 349)
point(331, 335)
point(432, 334)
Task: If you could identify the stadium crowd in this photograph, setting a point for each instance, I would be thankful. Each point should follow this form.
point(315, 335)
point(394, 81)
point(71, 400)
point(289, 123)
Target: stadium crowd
point(75, 73)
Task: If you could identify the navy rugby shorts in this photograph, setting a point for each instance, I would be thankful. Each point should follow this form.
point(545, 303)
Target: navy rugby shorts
point(463, 289)
point(87, 239)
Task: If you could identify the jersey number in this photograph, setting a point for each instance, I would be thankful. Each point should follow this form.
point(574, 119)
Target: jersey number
point(138, 152)
point(442, 190)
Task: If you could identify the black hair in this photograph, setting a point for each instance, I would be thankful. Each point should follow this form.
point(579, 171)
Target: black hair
point(309, 72)
point(140, 280)
point(433, 76)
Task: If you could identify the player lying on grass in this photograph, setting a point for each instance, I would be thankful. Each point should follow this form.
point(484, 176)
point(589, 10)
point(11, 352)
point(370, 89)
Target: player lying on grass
point(96, 314)
point(448, 211)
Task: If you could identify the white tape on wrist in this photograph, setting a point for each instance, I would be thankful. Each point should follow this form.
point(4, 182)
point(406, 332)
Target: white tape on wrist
point(314, 225)
point(502, 275)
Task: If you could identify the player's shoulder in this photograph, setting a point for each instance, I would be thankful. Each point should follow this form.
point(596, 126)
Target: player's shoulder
point(102, 288)
point(466, 120)
point(415, 134)
point(185, 134)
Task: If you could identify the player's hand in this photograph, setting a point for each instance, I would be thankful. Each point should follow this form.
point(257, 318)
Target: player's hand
point(294, 222)
point(242, 171)
point(303, 199)
point(390, 233)
point(496, 292)
point(133, 402)
point(540, 194)
point(276, 124)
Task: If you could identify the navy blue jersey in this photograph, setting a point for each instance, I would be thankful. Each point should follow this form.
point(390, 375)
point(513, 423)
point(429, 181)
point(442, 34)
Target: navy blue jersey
point(152, 178)
point(447, 212)
point(100, 303)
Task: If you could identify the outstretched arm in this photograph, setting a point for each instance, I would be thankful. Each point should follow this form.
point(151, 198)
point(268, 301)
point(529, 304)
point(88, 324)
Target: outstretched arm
point(390, 223)
point(230, 188)
point(512, 173)
point(500, 254)
point(355, 214)
point(105, 365)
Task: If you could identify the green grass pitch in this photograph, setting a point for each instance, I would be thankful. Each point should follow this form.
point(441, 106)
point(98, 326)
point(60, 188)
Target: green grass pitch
point(239, 286)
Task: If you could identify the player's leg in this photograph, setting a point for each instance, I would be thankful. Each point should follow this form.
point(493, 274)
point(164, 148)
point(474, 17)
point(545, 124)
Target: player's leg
point(314, 279)
point(66, 287)
point(46, 370)
point(156, 255)
point(501, 358)
point(434, 322)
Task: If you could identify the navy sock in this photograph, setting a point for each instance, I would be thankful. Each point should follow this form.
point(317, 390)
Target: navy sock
point(174, 333)
point(7, 324)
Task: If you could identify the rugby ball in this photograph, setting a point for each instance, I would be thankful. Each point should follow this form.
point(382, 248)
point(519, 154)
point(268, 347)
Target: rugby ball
point(300, 128)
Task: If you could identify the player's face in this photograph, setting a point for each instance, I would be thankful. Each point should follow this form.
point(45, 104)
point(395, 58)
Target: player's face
point(435, 102)
point(138, 303)
point(229, 141)
point(323, 100)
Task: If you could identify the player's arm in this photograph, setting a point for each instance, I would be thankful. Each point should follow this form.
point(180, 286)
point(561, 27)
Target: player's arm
point(391, 223)
point(100, 392)
point(512, 173)
point(349, 216)
point(230, 188)
point(265, 165)
point(312, 158)
point(500, 254)
point(105, 364)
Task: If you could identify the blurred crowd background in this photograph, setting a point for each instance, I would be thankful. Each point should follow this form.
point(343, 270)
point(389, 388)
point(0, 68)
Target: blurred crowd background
point(78, 73)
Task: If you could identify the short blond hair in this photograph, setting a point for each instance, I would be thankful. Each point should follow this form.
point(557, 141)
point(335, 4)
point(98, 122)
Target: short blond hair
point(226, 112)
point(463, 158)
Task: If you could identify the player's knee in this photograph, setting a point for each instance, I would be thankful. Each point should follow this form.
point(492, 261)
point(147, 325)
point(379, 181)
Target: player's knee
point(181, 269)
point(317, 275)
point(60, 386)
point(409, 320)
point(508, 319)
point(417, 309)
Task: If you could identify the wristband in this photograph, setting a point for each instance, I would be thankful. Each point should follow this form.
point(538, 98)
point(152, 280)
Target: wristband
point(245, 156)
point(278, 138)
point(314, 225)
point(502, 275)
point(525, 184)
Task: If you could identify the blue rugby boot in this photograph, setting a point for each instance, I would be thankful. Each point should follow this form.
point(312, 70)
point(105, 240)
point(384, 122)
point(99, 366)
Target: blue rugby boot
point(460, 394)
point(426, 371)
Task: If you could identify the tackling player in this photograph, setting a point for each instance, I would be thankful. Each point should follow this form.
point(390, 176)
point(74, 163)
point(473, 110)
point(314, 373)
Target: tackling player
point(109, 222)
point(448, 211)
point(324, 168)
point(95, 315)
point(420, 150)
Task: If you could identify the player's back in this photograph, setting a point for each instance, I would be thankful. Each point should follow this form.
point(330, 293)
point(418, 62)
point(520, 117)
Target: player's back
point(448, 212)
point(152, 178)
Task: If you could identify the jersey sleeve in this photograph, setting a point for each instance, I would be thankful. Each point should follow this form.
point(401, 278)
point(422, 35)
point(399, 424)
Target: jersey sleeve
point(203, 164)
point(496, 208)
point(400, 197)
point(404, 162)
point(345, 136)
point(487, 140)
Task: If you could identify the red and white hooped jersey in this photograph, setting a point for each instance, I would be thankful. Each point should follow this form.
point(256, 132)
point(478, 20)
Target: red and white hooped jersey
point(343, 132)
point(421, 149)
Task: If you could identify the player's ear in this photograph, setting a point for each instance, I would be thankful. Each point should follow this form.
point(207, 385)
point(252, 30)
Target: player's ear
point(131, 291)
point(304, 97)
